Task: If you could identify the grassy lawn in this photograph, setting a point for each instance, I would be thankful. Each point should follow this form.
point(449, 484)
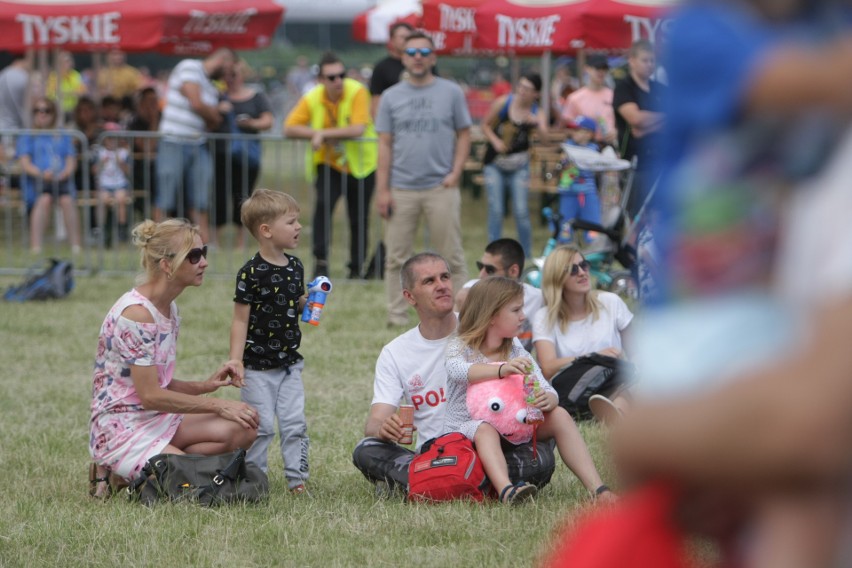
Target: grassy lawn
point(47, 519)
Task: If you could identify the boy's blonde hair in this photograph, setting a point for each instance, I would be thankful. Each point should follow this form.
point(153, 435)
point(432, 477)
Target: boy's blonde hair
point(557, 269)
point(264, 206)
point(485, 299)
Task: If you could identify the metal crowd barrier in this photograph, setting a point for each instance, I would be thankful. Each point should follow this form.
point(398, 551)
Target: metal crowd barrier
point(105, 244)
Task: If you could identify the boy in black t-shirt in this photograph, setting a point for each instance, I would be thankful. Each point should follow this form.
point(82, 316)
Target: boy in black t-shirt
point(265, 333)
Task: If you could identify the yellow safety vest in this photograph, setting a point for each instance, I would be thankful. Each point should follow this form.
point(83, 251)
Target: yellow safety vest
point(361, 157)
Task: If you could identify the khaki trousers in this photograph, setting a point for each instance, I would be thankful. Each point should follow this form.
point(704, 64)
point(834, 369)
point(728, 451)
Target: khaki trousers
point(441, 207)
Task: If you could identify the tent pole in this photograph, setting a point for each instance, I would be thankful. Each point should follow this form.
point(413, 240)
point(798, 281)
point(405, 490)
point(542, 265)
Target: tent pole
point(545, 84)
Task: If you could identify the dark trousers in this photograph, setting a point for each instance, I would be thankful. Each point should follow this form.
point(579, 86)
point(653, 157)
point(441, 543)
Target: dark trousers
point(385, 461)
point(330, 185)
point(234, 181)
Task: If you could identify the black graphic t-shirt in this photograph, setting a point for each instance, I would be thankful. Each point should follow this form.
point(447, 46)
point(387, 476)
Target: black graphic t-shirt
point(273, 292)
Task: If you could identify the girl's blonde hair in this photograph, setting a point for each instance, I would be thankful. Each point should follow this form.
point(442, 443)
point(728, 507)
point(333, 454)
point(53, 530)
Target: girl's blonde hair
point(485, 299)
point(170, 240)
point(557, 269)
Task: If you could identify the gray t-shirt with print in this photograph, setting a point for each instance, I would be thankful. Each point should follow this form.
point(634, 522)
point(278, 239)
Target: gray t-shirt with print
point(423, 121)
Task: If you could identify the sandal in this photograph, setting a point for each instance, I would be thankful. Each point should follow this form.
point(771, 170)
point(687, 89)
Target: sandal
point(518, 493)
point(99, 487)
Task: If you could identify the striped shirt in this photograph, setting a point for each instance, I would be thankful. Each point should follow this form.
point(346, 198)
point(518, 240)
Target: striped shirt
point(179, 120)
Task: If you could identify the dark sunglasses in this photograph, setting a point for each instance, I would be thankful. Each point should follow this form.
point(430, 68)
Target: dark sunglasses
point(490, 269)
point(194, 255)
point(584, 266)
point(335, 77)
point(42, 110)
point(423, 51)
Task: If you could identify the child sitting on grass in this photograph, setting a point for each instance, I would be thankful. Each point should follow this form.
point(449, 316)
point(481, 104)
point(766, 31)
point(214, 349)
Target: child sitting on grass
point(265, 335)
point(489, 322)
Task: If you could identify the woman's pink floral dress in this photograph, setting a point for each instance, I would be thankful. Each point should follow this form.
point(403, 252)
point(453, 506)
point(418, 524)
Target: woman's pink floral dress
point(123, 434)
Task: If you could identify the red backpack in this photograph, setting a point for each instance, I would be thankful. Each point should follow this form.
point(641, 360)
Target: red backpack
point(447, 468)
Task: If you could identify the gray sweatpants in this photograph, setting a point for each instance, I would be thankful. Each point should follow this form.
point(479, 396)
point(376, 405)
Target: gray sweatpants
point(279, 393)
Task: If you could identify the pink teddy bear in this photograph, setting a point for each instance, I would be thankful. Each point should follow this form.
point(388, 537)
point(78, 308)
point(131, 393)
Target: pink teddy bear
point(502, 403)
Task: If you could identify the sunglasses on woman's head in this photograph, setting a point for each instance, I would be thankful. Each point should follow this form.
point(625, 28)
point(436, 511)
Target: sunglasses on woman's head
point(584, 266)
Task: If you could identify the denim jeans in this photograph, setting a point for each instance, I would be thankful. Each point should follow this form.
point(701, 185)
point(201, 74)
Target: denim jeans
point(184, 176)
point(517, 182)
point(573, 205)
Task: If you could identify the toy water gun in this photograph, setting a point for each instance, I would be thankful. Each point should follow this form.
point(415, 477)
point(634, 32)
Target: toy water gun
point(318, 290)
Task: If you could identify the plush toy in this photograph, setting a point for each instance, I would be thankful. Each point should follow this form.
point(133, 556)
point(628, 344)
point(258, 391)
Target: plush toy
point(501, 403)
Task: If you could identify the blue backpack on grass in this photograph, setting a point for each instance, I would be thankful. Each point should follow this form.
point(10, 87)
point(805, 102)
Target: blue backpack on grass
point(55, 281)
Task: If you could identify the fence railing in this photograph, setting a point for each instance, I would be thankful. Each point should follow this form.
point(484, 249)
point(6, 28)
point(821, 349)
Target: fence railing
point(104, 210)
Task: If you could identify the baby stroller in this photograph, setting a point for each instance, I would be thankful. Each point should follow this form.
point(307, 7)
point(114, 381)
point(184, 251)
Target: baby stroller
point(611, 237)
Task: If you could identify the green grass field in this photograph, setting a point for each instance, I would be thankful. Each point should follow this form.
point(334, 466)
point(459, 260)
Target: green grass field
point(47, 518)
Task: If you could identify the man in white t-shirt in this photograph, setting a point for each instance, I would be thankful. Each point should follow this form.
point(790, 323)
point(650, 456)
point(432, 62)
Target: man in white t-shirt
point(193, 108)
point(505, 257)
point(411, 368)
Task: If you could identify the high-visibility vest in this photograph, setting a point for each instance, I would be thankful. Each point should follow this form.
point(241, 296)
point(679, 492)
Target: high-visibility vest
point(361, 157)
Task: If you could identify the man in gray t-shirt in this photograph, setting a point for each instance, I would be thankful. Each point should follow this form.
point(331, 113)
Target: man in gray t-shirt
point(424, 139)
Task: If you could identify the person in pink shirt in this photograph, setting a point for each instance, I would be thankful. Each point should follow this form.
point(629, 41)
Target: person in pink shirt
point(593, 100)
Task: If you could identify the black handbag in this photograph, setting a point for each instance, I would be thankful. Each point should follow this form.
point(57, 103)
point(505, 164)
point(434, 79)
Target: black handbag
point(586, 376)
point(207, 480)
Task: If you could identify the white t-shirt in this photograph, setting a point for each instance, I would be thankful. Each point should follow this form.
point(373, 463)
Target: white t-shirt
point(179, 120)
point(110, 174)
point(411, 367)
point(586, 336)
point(533, 302)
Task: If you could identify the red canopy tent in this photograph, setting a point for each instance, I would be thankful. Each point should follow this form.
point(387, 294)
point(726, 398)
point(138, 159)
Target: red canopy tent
point(531, 27)
point(452, 24)
point(168, 26)
point(373, 25)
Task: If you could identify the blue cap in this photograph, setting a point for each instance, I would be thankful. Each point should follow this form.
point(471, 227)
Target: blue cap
point(586, 123)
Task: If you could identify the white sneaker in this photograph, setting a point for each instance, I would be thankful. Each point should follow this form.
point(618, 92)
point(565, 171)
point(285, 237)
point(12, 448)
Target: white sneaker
point(604, 409)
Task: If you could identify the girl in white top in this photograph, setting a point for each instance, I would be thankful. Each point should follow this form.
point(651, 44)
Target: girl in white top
point(575, 319)
point(486, 348)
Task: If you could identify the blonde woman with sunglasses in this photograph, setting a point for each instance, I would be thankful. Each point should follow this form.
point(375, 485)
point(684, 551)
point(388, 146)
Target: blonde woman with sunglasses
point(138, 408)
point(576, 319)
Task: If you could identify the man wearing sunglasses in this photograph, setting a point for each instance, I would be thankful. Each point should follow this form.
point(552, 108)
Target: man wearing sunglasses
point(505, 257)
point(333, 115)
point(424, 138)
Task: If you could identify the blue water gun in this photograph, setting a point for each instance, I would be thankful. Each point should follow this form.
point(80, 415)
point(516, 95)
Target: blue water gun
point(318, 289)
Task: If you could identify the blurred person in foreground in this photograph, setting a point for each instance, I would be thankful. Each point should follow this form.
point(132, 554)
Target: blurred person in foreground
point(744, 401)
point(138, 408)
